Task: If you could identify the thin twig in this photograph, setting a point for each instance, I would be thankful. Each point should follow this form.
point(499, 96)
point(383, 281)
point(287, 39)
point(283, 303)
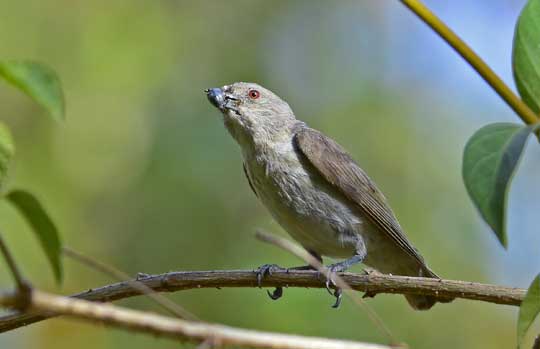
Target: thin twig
point(178, 329)
point(308, 258)
point(119, 275)
point(373, 283)
point(424, 13)
point(22, 284)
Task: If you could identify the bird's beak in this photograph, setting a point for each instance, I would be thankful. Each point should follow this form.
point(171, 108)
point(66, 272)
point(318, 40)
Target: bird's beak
point(222, 100)
point(216, 96)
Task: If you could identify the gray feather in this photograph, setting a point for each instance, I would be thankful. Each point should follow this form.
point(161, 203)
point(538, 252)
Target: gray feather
point(338, 168)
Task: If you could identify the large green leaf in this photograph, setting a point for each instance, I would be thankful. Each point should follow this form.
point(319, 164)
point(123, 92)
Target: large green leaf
point(529, 309)
point(526, 55)
point(43, 226)
point(38, 81)
point(490, 159)
point(7, 149)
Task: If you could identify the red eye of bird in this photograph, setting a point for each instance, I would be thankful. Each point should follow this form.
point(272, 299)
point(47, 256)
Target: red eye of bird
point(254, 94)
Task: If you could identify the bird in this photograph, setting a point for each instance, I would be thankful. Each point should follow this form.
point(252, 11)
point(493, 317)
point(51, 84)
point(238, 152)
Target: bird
point(315, 190)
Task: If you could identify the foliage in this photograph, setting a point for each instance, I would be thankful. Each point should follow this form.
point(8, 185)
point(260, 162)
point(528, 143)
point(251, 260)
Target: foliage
point(489, 162)
point(45, 229)
point(493, 152)
point(529, 309)
point(43, 85)
point(39, 82)
point(490, 157)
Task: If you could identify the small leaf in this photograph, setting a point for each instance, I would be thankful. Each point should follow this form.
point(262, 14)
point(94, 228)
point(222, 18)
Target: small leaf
point(7, 149)
point(529, 309)
point(39, 82)
point(43, 226)
point(526, 55)
point(490, 159)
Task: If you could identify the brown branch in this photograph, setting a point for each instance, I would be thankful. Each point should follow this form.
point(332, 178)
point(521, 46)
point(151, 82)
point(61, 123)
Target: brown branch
point(178, 329)
point(119, 275)
point(374, 283)
point(341, 284)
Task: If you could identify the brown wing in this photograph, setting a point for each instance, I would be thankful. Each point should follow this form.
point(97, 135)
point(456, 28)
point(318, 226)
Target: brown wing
point(338, 168)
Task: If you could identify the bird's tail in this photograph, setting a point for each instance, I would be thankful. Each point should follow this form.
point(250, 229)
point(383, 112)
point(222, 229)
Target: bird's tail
point(419, 302)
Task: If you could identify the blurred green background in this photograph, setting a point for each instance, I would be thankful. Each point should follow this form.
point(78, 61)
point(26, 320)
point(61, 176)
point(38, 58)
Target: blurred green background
point(144, 176)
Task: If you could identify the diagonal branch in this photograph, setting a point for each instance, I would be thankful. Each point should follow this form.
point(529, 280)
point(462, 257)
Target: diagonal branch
point(428, 17)
point(12, 266)
point(374, 283)
point(178, 329)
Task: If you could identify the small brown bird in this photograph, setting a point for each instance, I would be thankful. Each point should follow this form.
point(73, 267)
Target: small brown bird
point(314, 189)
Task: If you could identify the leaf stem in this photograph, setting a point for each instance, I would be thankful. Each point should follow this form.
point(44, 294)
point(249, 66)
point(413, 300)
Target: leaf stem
point(15, 272)
point(23, 296)
point(425, 14)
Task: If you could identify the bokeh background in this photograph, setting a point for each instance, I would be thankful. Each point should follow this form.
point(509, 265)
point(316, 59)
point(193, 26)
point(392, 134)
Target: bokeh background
point(143, 175)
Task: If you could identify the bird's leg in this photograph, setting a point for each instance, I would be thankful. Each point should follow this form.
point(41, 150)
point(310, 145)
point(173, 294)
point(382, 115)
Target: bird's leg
point(267, 270)
point(340, 267)
point(302, 267)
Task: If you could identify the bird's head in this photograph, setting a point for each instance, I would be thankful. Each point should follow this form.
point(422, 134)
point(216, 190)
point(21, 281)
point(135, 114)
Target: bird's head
point(252, 112)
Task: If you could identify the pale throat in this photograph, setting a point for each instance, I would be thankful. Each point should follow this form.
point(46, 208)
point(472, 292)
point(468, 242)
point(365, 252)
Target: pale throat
point(262, 137)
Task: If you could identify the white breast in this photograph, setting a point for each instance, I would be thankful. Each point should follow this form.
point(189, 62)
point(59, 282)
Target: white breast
point(306, 206)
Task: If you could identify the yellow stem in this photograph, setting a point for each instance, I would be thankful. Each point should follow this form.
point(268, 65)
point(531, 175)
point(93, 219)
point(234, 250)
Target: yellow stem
point(523, 111)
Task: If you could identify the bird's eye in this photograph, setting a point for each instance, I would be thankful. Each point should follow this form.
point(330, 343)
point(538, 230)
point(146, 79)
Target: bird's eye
point(254, 94)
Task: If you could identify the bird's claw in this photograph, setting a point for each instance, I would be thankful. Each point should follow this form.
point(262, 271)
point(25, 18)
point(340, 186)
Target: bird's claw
point(276, 294)
point(331, 286)
point(330, 283)
point(338, 293)
point(267, 270)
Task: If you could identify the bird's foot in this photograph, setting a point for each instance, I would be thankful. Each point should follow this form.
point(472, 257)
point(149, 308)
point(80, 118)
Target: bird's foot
point(338, 293)
point(330, 284)
point(333, 269)
point(267, 270)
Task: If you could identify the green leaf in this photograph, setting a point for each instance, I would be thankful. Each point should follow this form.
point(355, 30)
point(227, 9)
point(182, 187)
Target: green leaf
point(529, 309)
point(39, 82)
point(43, 226)
point(489, 162)
point(7, 149)
point(526, 55)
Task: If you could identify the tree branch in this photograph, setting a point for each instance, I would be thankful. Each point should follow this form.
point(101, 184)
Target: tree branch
point(374, 283)
point(119, 275)
point(340, 284)
point(176, 328)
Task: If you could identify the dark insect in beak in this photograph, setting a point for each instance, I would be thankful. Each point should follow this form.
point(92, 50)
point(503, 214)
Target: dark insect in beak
point(216, 97)
point(220, 100)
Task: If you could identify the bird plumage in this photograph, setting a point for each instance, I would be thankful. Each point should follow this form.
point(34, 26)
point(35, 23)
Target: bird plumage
point(314, 189)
